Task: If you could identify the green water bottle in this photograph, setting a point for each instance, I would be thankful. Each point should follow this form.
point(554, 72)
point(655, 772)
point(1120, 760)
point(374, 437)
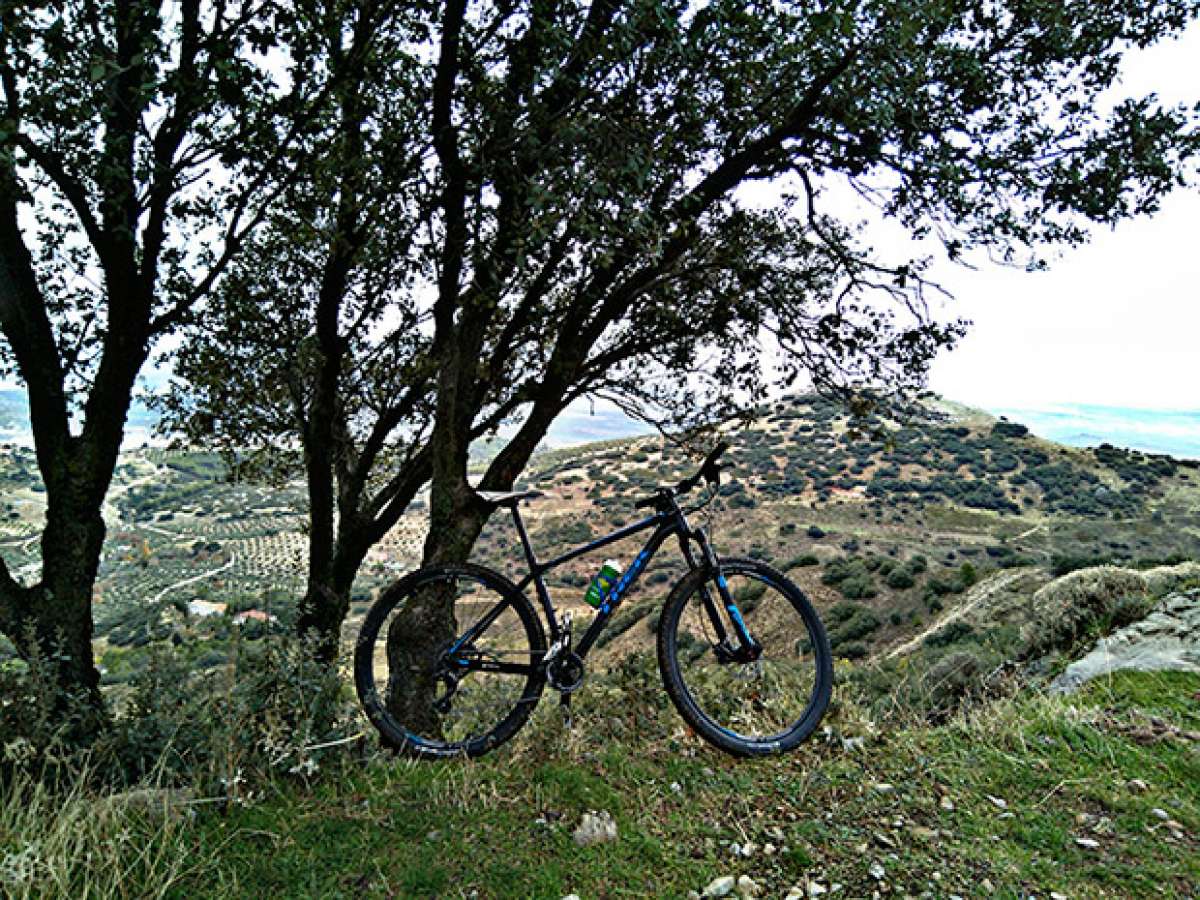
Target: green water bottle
point(602, 583)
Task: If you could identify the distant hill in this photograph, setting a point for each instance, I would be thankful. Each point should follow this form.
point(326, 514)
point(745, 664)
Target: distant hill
point(1176, 432)
point(14, 419)
point(884, 530)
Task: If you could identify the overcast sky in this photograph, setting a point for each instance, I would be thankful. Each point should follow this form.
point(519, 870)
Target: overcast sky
point(1115, 322)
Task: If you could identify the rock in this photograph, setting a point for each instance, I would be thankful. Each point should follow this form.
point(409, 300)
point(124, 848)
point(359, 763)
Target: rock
point(946, 803)
point(854, 744)
point(676, 787)
point(770, 849)
point(884, 788)
point(922, 833)
point(1168, 638)
point(1087, 843)
point(747, 888)
point(596, 828)
point(1160, 814)
point(571, 897)
point(794, 893)
point(720, 887)
point(1137, 786)
point(876, 870)
point(998, 802)
point(816, 889)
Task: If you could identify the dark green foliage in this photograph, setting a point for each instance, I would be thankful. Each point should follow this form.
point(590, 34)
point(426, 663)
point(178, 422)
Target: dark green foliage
point(1010, 430)
point(952, 633)
point(851, 577)
point(852, 650)
point(850, 622)
point(1061, 565)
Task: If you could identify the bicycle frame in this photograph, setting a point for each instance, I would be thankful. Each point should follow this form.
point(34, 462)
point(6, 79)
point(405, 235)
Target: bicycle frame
point(665, 522)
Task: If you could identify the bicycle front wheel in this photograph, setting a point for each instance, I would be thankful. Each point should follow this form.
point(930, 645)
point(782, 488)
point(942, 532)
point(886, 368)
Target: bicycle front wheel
point(757, 708)
point(448, 662)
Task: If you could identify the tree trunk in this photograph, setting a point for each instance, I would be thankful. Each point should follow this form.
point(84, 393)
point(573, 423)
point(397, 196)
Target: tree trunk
point(424, 627)
point(52, 620)
point(327, 599)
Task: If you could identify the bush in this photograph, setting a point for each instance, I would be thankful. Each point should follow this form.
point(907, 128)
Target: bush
point(1078, 606)
point(900, 579)
point(857, 587)
point(851, 622)
point(853, 650)
point(815, 532)
point(1009, 430)
point(1063, 564)
point(804, 561)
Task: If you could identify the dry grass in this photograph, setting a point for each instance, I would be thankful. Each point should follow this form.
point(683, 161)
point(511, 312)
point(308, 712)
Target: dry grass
point(67, 841)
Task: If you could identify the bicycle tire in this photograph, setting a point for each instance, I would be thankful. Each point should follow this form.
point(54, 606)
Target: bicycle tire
point(393, 733)
point(683, 696)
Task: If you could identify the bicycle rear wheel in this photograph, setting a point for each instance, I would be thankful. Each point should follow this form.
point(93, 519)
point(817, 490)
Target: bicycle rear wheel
point(467, 679)
point(755, 708)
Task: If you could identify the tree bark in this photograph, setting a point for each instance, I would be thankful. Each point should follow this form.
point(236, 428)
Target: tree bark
point(425, 625)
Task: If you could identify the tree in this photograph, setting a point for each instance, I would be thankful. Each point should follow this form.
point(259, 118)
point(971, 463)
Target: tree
point(140, 145)
point(585, 226)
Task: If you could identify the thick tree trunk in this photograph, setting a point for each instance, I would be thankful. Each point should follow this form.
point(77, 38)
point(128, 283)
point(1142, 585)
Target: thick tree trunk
point(327, 599)
point(52, 620)
point(425, 626)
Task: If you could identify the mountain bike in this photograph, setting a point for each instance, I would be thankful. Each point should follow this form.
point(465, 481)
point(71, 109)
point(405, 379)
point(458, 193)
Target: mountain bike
point(742, 653)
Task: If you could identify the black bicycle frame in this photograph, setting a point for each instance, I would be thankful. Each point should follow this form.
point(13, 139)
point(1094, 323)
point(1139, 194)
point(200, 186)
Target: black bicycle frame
point(665, 522)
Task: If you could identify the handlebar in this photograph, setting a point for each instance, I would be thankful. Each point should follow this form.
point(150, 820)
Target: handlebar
point(709, 471)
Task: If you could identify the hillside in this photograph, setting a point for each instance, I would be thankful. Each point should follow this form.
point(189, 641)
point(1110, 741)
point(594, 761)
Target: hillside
point(959, 562)
point(884, 530)
point(1093, 796)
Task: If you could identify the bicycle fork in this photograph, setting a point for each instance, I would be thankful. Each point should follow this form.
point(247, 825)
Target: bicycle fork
point(746, 650)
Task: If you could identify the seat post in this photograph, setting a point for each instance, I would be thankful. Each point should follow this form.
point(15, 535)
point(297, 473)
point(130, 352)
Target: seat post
point(528, 547)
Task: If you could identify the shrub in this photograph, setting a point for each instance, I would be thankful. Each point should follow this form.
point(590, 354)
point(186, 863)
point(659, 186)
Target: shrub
point(852, 622)
point(1079, 605)
point(1009, 430)
point(900, 579)
point(952, 633)
point(857, 587)
point(815, 532)
point(1064, 564)
point(853, 650)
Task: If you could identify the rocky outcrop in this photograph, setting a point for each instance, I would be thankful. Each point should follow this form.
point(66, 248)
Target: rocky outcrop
point(1166, 639)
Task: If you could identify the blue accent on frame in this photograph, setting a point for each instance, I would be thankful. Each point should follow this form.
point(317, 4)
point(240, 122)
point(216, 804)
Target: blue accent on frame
point(614, 595)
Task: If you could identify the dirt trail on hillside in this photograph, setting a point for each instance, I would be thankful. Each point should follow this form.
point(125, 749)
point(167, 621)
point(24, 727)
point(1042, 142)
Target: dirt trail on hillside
point(975, 597)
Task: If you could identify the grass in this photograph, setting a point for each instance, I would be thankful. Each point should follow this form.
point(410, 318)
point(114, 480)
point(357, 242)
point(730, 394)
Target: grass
point(68, 842)
point(1023, 779)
